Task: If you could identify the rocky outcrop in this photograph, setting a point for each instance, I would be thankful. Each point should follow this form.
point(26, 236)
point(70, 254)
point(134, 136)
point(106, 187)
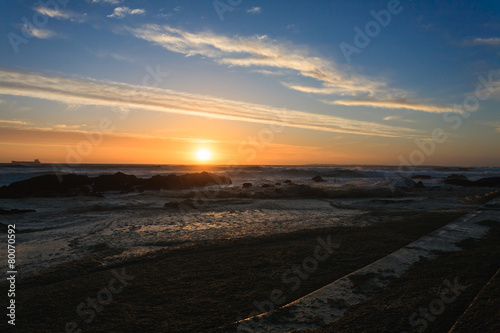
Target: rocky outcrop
point(74, 185)
point(318, 179)
point(484, 182)
point(421, 177)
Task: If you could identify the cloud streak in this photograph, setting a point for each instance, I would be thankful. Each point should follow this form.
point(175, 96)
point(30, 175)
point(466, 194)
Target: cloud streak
point(396, 103)
point(59, 14)
point(123, 96)
point(485, 41)
point(254, 10)
point(39, 33)
point(121, 12)
point(261, 52)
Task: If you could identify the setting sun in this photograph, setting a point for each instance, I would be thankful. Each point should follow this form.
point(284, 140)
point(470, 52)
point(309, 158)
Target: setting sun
point(203, 155)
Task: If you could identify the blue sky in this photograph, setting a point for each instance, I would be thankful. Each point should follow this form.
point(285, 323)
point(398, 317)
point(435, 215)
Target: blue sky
point(176, 76)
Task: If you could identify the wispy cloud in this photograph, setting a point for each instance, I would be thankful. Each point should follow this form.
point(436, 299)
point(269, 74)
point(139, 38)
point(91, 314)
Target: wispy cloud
point(484, 41)
point(397, 103)
point(264, 53)
point(495, 124)
point(60, 14)
point(398, 118)
point(120, 95)
point(121, 12)
point(254, 10)
point(39, 33)
point(116, 56)
point(12, 122)
point(111, 2)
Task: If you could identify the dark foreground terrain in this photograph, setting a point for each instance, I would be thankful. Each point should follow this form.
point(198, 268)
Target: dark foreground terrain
point(206, 287)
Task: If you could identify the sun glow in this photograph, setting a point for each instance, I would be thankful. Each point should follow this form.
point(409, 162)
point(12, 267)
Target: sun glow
point(203, 155)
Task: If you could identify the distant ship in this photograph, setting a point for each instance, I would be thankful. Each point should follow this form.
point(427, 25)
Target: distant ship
point(35, 162)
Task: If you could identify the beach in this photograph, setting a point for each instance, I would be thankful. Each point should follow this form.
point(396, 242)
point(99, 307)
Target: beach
point(252, 248)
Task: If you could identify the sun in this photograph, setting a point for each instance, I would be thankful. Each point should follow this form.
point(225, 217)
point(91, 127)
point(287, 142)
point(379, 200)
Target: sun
point(203, 155)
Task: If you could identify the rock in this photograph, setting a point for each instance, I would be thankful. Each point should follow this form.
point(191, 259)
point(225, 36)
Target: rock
point(483, 182)
point(278, 184)
point(455, 176)
point(420, 185)
point(488, 182)
point(267, 185)
point(318, 179)
point(288, 181)
point(421, 177)
point(71, 185)
point(247, 185)
point(45, 186)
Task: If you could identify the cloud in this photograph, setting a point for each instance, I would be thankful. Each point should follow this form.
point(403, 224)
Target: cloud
point(397, 117)
point(123, 96)
point(12, 122)
point(254, 10)
point(397, 103)
point(121, 12)
point(111, 2)
point(60, 14)
point(38, 33)
point(484, 41)
point(495, 124)
point(263, 53)
point(116, 56)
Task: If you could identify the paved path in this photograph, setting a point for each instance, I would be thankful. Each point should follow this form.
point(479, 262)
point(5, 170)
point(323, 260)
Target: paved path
point(327, 304)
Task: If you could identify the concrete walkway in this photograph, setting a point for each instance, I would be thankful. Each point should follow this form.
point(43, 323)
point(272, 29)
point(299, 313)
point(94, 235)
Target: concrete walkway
point(327, 304)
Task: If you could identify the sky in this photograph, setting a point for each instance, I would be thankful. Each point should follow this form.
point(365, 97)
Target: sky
point(250, 82)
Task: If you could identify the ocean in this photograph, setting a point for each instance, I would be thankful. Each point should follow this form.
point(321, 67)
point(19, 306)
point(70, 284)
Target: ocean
point(136, 223)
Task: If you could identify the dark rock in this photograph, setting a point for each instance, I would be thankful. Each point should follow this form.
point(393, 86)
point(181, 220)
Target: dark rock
point(44, 186)
point(421, 177)
point(459, 182)
point(318, 179)
point(455, 176)
point(288, 181)
point(278, 184)
point(420, 185)
point(247, 185)
point(71, 185)
point(483, 182)
point(488, 182)
point(267, 185)
point(117, 182)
